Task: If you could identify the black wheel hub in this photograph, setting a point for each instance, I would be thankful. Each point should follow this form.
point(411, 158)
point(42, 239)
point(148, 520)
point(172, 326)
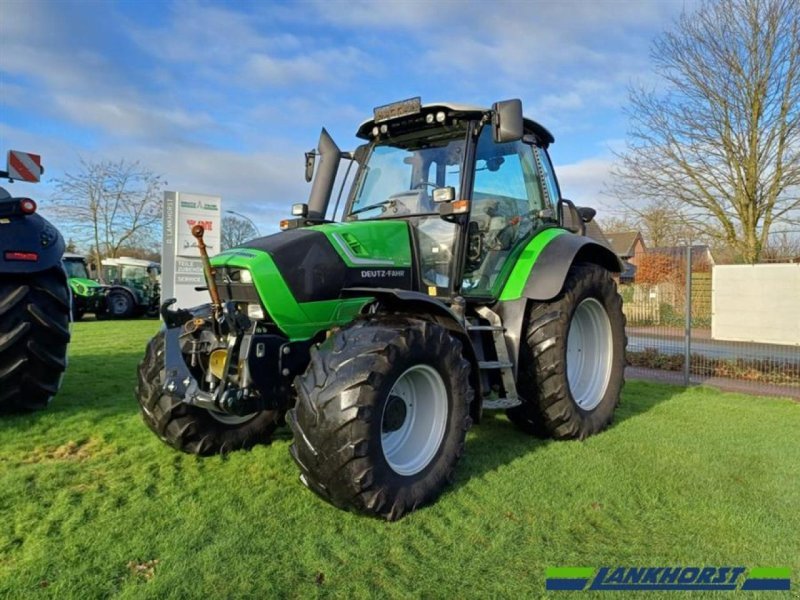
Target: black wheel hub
point(394, 415)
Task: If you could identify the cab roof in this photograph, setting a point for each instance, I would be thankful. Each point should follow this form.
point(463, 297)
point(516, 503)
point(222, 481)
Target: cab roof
point(463, 111)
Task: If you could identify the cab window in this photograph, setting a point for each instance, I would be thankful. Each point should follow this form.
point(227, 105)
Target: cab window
point(507, 199)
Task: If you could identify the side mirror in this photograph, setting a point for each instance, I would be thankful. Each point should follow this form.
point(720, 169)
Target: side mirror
point(507, 121)
point(444, 194)
point(576, 223)
point(586, 213)
point(310, 158)
point(300, 210)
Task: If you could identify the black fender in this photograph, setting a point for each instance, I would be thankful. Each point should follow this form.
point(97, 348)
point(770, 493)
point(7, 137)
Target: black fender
point(29, 234)
point(551, 267)
point(116, 287)
point(412, 303)
point(546, 280)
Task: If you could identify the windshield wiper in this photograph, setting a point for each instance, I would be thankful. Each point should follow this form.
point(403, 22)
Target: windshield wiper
point(383, 204)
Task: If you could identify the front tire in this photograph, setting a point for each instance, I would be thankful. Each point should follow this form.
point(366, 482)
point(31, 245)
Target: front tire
point(188, 428)
point(382, 415)
point(34, 333)
point(572, 364)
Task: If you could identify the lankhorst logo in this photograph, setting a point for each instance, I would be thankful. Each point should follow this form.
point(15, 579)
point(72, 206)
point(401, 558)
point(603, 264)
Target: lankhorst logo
point(667, 578)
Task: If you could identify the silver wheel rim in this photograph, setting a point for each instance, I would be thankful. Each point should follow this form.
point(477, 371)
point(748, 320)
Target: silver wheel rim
point(119, 303)
point(419, 397)
point(590, 353)
point(231, 419)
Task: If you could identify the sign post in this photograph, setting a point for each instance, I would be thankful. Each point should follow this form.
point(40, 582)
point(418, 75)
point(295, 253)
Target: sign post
point(181, 267)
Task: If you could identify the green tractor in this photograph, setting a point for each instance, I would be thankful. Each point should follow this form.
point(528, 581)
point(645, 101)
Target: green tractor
point(88, 296)
point(449, 286)
point(134, 287)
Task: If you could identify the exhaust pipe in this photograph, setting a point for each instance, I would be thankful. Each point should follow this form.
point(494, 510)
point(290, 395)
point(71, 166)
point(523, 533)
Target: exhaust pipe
point(322, 187)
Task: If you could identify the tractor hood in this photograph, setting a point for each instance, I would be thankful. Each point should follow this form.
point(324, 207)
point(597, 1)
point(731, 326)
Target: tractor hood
point(298, 275)
point(83, 286)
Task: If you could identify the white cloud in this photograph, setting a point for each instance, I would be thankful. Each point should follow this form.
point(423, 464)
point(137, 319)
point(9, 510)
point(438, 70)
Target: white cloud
point(584, 182)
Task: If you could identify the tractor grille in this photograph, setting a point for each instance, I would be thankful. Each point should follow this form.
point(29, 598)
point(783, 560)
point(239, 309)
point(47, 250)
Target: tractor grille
point(232, 288)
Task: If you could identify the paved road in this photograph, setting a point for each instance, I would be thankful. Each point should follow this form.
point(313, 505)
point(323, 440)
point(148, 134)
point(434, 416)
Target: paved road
point(714, 349)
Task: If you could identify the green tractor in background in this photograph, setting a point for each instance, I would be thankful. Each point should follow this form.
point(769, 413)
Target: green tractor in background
point(447, 286)
point(134, 287)
point(88, 296)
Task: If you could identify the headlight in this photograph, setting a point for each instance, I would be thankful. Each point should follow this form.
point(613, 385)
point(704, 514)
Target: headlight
point(245, 276)
point(255, 312)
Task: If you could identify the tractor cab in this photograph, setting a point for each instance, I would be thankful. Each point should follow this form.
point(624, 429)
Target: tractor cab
point(473, 184)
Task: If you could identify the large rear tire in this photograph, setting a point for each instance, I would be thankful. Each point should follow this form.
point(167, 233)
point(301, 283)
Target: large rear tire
point(188, 428)
point(382, 415)
point(34, 334)
point(572, 364)
point(120, 304)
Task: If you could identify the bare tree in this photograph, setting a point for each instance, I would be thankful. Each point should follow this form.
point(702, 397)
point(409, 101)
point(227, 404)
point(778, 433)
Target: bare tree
point(235, 231)
point(660, 223)
point(721, 138)
point(113, 204)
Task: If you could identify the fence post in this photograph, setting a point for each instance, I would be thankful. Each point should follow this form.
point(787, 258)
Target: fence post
point(687, 333)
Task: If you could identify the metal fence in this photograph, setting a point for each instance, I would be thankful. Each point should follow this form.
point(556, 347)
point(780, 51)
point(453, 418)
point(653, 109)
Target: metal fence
point(670, 309)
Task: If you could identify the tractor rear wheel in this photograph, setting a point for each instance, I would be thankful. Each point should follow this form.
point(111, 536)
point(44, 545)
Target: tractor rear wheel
point(572, 365)
point(34, 333)
point(382, 415)
point(121, 304)
point(192, 429)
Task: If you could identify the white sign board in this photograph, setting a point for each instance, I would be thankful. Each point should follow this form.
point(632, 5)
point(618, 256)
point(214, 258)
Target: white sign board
point(756, 303)
point(181, 269)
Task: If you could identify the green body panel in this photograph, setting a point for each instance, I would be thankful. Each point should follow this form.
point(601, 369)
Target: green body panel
point(84, 287)
point(298, 320)
point(373, 242)
point(522, 266)
point(370, 240)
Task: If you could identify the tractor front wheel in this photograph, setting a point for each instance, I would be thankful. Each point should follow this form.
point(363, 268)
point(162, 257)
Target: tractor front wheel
point(382, 415)
point(572, 363)
point(192, 429)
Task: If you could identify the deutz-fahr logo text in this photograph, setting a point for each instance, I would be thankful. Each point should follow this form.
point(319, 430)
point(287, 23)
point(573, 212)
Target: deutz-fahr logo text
point(369, 273)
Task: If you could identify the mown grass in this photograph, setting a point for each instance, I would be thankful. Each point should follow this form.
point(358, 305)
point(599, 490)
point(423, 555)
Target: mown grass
point(93, 505)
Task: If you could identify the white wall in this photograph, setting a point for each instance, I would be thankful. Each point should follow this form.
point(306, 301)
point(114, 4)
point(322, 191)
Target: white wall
point(756, 303)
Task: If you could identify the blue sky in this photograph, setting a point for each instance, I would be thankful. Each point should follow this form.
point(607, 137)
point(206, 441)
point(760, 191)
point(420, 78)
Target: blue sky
point(224, 97)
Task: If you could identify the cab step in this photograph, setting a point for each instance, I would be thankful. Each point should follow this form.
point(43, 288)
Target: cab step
point(495, 364)
point(485, 328)
point(501, 403)
point(503, 362)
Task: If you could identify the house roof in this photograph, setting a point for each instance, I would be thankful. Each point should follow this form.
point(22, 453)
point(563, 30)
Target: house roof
point(623, 242)
point(593, 229)
point(700, 252)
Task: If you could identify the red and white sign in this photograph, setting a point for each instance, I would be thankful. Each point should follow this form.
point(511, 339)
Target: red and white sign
point(24, 166)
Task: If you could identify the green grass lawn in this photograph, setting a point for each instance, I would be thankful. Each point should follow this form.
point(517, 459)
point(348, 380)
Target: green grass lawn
point(93, 505)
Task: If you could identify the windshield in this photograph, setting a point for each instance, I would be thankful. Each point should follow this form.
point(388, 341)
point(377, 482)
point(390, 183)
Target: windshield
point(399, 176)
point(76, 268)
